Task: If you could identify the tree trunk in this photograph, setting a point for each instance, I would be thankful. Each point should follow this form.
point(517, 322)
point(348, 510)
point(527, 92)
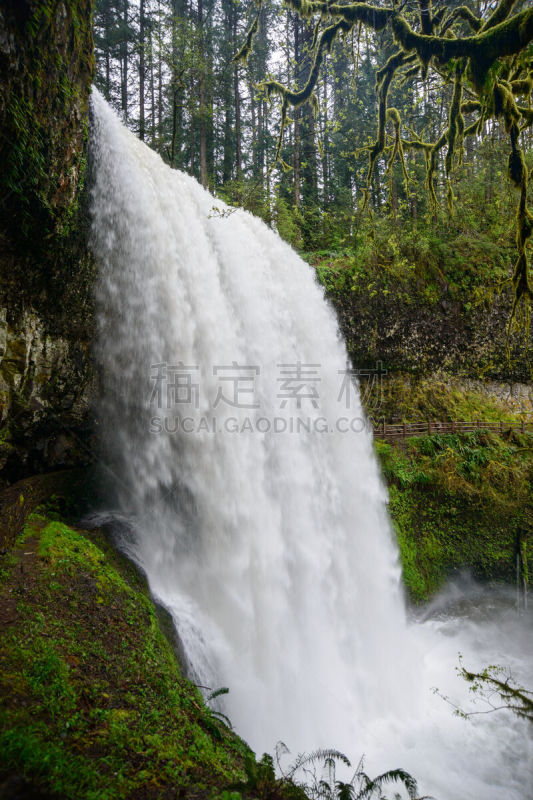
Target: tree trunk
point(141, 70)
point(202, 100)
point(124, 62)
point(238, 156)
point(296, 116)
point(159, 82)
point(237, 101)
point(325, 141)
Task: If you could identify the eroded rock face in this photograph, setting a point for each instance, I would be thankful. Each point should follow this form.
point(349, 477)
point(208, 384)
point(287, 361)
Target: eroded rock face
point(46, 271)
point(406, 333)
point(46, 392)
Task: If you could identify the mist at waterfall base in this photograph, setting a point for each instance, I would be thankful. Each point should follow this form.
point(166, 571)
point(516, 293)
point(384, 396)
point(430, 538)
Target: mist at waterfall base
point(273, 551)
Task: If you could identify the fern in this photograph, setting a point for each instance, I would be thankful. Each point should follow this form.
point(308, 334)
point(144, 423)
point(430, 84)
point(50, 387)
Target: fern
point(329, 757)
point(217, 693)
point(371, 788)
point(218, 715)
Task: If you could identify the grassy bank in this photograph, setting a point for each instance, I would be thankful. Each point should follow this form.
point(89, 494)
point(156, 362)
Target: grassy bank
point(442, 397)
point(460, 501)
point(93, 701)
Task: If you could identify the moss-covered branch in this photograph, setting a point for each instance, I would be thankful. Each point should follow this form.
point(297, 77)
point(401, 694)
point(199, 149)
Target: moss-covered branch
point(491, 683)
point(299, 96)
point(426, 17)
point(464, 13)
point(372, 17)
point(483, 49)
point(454, 134)
point(500, 13)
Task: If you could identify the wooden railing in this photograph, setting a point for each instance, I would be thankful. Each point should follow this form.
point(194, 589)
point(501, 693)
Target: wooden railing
point(404, 430)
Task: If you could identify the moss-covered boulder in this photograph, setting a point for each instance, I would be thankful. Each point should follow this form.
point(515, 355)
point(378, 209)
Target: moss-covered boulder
point(70, 491)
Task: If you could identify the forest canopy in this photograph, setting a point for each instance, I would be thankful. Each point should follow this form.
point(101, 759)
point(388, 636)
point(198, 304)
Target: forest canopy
point(311, 112)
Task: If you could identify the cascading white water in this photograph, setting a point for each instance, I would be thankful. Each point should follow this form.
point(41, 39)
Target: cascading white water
point(271, 548)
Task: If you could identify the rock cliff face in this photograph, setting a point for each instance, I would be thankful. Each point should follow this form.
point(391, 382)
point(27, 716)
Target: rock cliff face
point(427, 300)
point(407, 334)
point(46, 272)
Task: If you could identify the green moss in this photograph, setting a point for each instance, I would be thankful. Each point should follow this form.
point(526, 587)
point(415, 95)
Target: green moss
point(94, 703)
point(42, 167)
point(43, 163)
point(408, 399)
point(460, 501)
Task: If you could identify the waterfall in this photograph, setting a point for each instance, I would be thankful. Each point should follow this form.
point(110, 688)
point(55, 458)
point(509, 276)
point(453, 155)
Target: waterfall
point(236, 444)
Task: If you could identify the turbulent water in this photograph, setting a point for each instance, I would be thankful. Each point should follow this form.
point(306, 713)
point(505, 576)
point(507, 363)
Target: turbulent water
point(236, 449)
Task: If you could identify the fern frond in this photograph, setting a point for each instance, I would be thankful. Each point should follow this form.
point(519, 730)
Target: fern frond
point(218, 693)
point(305, 759)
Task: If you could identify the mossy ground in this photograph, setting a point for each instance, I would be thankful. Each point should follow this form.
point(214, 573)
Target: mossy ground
point(460, 501)
point(93, 701)
point(441, 398)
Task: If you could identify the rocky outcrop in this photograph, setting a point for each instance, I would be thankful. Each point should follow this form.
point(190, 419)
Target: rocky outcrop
point(514, 396)
point(46, 271)
point(406, 333)
point(45, 398)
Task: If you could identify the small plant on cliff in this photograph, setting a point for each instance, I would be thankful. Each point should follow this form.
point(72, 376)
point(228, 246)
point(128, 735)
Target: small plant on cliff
point(495, 687)
point(215, 712)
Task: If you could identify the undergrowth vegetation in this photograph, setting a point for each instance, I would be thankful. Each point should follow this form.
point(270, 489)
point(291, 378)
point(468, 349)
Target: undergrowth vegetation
point(461, 500)
point(421, 296)
point(417, 261)
point(440, 398)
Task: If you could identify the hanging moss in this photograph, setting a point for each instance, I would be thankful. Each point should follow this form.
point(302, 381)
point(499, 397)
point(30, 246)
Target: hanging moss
point(299, 97)
point(483, 49)
point(469, 106)
point(454, 134)
point(524, 86)
point(517, 167)
point(393, 115)
point(384, 79)
point(241, 56)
